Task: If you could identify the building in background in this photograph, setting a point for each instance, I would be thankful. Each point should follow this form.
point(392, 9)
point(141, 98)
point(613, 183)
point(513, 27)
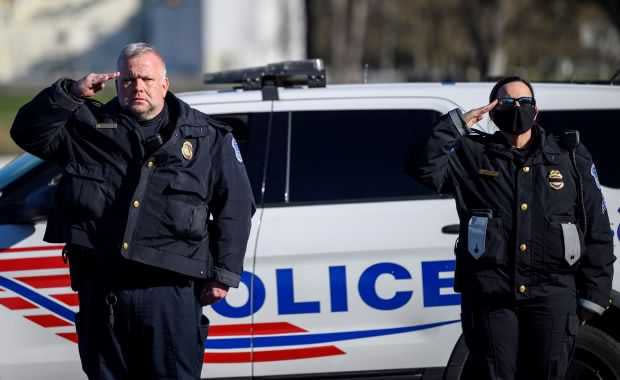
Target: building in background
point(44, 39)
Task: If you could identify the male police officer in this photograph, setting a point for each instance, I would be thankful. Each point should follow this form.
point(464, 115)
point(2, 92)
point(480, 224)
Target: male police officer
point(534, 249)
point(142, 176)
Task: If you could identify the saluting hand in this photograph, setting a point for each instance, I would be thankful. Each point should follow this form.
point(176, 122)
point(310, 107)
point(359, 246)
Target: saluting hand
point(212, 292)
point(473, 116)
point(91, 84)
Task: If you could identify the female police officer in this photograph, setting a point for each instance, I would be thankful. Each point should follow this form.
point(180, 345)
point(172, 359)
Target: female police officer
point(534, 251)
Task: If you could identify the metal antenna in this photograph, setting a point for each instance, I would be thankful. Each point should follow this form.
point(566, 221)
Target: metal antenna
point(613, 78)
point(365, 74)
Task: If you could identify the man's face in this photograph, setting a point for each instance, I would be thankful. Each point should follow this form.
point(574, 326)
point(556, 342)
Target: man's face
point(142, 86)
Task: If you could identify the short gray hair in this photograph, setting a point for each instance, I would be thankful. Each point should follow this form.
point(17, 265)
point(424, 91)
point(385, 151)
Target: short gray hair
point(135, 49)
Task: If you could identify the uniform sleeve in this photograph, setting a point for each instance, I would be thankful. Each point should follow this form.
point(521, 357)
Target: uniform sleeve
point(232, 207)
point(39, 125)
point(595, 273)
point(430, 165)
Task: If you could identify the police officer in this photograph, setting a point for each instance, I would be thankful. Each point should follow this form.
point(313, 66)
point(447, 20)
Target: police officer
point(534, 253)
point(142, 176)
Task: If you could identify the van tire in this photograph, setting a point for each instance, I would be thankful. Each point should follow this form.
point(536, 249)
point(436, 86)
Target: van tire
point(597, 356)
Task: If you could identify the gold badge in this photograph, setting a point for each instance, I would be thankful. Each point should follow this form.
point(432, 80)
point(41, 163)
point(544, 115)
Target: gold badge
point(556, 180)
point(187, 150)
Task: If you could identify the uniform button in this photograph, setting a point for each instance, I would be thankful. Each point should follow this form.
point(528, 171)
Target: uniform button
point(136, 203)
point(522, 289)
point(523, 247)
point(526, 169)
point(523, 206)
point(125, 246)
point(150, 164)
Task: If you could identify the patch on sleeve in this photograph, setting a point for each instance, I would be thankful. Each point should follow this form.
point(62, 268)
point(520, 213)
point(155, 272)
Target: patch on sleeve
point(594, 174)
point(237, 151)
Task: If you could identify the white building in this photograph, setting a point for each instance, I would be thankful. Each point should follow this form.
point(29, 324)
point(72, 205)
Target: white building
point(41, 39)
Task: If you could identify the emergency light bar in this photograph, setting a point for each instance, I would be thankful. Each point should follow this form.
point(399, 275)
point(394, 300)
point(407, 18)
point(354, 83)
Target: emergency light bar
point(310, 72)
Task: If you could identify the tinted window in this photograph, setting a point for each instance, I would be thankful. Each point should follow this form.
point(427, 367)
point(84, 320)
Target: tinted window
point(600, 133)
point(355, 155)
point(251, 132)
point(30, 196)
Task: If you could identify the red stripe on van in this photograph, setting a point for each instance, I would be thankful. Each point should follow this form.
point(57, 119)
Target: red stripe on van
point(69, 299)
point(32, 263)
point(16, 303)
point(32, 249)
point(270, 356)
point(256, 329)
point(48, 320)
point(55, 281)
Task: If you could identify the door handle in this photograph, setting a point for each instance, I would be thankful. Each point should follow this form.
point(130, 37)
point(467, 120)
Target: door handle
point(452, 229)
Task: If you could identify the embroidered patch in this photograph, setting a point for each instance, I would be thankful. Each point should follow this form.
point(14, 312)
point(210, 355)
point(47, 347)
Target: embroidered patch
point(594, 174)
point(556, 180)
point(237, 151)
point(187, 150)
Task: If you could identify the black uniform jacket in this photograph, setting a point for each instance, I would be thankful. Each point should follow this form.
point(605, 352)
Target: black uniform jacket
point(533, 205)
point(151, 205)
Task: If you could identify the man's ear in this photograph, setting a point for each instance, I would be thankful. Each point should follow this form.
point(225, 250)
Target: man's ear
point(166, 85)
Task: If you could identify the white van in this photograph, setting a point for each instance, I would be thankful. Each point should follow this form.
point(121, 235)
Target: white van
point(349, 268)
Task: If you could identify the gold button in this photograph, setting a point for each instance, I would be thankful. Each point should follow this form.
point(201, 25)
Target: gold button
point(150, 164)
point(125, 246)
point(522, 289)
point(136, 203)
point(523, 248)
point(526, 169)
point(523, 206)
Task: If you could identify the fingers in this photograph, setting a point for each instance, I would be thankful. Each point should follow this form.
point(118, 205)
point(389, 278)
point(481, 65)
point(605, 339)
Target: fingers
point(488, 107)
point(95, 79)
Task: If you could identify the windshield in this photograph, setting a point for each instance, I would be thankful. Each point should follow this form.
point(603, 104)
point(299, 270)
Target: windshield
point(17, 168)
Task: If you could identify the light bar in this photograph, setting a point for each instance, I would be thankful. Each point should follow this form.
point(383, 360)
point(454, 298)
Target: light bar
point(310, 72)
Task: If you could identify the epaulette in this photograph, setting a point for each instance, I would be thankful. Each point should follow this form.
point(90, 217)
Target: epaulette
point(218, 122)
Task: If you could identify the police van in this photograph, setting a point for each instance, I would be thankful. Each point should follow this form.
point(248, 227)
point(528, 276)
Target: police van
point(350, 265)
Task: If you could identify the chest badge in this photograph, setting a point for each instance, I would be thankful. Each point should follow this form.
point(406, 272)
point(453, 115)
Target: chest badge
point(556, 180)
point(187, 150)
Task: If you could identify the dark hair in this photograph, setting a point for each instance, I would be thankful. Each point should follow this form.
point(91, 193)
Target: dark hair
point(500, 83)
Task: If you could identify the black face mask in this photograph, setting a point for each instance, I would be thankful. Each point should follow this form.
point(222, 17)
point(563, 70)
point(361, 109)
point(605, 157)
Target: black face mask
point(514, 120)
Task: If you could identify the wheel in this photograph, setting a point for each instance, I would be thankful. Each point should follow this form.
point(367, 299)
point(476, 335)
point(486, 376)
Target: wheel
point(597, 357)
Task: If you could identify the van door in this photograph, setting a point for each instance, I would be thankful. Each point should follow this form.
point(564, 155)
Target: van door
point(38, 307)
point(355, 258)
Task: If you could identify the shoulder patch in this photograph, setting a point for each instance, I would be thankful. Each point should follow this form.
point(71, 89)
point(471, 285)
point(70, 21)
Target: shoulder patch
point(235, 147)
point(594, 174)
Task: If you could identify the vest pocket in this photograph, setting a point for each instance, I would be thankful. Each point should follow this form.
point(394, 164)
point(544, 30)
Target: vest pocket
point(84, 191)
point(186, 208)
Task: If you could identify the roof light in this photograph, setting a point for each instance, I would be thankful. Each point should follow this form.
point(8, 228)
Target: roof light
point(310, 72)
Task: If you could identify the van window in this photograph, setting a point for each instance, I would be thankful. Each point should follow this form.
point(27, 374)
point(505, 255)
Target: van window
point(341, 156)
point(251, 132)
point(600, 133)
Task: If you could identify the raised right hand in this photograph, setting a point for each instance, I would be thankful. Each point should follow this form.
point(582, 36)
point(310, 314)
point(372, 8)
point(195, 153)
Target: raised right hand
point(91, 84)
point(473, 116)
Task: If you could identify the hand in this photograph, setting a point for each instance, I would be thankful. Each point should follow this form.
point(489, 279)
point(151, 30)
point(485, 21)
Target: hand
point(585, 315)
point(212, 292)
point(473, 116)
point(91, 84)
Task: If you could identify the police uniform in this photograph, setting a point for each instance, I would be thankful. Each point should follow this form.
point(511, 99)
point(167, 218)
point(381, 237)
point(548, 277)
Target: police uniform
point(134, 210)
point(534, 244)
